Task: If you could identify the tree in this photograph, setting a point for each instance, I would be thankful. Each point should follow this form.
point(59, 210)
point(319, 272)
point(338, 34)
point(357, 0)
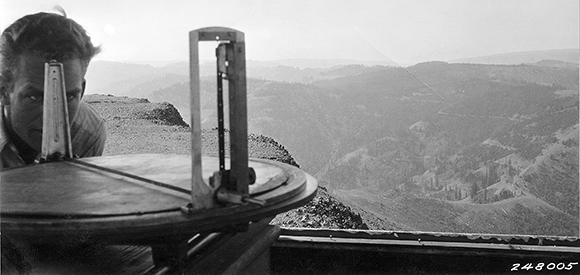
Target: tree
point(484, 195)
point(486, 178)
point(473, 190)
point(493, 178)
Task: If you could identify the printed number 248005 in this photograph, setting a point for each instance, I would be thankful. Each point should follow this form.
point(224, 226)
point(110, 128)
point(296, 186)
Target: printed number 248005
point(543, 266)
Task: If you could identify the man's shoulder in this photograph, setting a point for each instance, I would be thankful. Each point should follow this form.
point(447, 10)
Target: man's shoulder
point(87, 117)
point(88, 132)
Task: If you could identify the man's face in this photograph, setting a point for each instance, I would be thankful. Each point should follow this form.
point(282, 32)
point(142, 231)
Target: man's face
point(24, 103)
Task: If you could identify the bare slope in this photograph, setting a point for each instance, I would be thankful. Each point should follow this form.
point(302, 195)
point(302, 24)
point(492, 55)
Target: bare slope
point(137, 126)
point(408, 212)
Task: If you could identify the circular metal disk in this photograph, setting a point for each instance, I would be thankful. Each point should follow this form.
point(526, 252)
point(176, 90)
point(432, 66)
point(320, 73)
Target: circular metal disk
point(87, 199)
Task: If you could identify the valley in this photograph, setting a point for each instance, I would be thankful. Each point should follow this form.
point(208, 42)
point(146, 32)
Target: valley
point(432, 147)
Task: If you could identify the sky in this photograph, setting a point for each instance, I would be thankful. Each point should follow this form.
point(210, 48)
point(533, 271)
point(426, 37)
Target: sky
point(405, 32)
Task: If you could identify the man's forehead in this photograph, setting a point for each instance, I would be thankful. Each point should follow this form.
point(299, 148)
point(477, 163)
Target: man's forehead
point(35, 63)
point(30, 68)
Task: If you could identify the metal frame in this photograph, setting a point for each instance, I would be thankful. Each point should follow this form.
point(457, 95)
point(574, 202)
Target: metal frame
point(239, 177)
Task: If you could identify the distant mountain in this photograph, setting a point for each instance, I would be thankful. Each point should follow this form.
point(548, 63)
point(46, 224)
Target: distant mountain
point(119, 78)
point(327, 63)
point(556, 63)
point(567, 55)
point(140, 80)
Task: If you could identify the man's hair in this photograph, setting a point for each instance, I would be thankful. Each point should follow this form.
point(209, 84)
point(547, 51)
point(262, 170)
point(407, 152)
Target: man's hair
point(48, 35)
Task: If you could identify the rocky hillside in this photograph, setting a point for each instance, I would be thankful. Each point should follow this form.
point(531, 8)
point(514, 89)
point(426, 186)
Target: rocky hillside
point(324, 211)
point(137, 126)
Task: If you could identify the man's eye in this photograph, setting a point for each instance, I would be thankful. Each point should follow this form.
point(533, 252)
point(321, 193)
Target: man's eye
point(71, 97)
point(35, 98)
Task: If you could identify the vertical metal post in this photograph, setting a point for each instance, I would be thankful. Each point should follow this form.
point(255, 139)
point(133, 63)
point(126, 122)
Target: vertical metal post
point(201, 193)
point(239, 178)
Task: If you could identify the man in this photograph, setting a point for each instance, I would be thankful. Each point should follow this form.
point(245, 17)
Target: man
point(25, 46)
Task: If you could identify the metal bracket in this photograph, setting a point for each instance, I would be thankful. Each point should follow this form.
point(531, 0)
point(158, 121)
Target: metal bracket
point(225, 196)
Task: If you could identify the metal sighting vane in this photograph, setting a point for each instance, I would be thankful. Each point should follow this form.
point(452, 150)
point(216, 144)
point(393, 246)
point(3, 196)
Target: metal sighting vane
point(56, 139)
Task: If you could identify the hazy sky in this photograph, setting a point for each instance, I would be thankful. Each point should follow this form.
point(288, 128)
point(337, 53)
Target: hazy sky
point(406, 31)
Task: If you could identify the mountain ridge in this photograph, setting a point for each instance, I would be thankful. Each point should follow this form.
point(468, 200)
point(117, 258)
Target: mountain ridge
point(512, 58)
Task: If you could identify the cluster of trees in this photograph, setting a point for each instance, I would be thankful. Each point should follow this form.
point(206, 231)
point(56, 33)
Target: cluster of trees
point(476, 169)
